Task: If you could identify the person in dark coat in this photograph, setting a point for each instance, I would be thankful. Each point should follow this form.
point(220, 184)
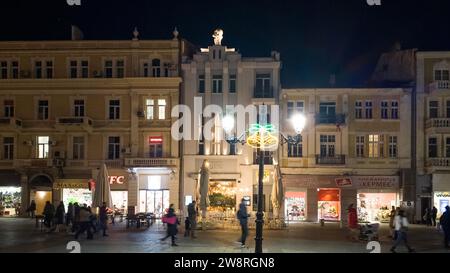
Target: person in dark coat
point(84, 223)
point(445, 224)
point(103, 215)
point(59, 216)
point(69, 214)
point(49, 213)
point(76, 217)
point(172, 229)
point(427, 217)
point(433, 216)
point(192, 215)
point(32, 209)
point(242, 216)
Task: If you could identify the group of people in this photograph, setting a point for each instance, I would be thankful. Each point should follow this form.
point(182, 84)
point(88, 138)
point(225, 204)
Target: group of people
point(79, 218)
point(430, 216)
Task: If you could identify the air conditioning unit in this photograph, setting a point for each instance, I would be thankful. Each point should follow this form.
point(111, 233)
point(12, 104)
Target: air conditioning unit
point(52, 142)
point(98, 74)
point(59, 154)
point(140, 114)
point(28, 143)
point(126, 150)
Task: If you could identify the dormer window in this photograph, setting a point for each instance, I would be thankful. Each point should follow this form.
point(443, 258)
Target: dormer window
point(441, 71)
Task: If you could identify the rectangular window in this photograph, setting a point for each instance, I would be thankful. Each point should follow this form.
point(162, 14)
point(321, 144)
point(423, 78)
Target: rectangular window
point(384, 110)
point(78, 108)
point(376, 146)
point(78, 148)
point(267, 157)
point(114, 109)
point(146, 69)
point(394, 109)
point(149, 104)
point(43, 109)
point(432, 147)
point(359, 146)
point(217, 84)
point(8, 148)
point(15, 69)
point(84, 69)
point(327, 145)
point(447, 147)
point(49, 69)
point(108, 69)
point(156, 150)
point(433, 109)
point(43, 146)
point(263, 86)
point(448, 109)
point(3, 70)
point(73, 69)
point(120, 68)
point(295, 107)
point(156, 68)
point(358, 109)
point(162, 109)
point(445, 75)
point(393, 146)
point(232, 83)
point(38, 69)
point(295, 150)
point(8, 108)
point(441, 75)
point(113, 147)
point(201, 83)
point(369, 110)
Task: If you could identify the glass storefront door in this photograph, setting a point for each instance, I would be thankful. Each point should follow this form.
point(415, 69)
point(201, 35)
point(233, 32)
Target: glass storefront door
point(154, 201)
point(375, 206)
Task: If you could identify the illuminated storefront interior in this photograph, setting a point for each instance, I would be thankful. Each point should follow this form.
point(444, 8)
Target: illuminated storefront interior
point(120, 200)
point(222, 196)
point(41, 197)
point(80, 196)
point(441, 200)
point(329, 204)
point(375, 207)
point(295, 206)
point(153, 198)
point(10, 200)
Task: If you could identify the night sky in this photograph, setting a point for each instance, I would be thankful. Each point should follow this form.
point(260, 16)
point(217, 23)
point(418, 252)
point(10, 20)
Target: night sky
point(316, 38)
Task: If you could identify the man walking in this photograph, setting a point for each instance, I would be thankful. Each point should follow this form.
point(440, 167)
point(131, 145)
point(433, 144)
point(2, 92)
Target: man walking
point(433, 216)
point(401, 229)
point(445, 224)
point(192, 216)
point(242, 215)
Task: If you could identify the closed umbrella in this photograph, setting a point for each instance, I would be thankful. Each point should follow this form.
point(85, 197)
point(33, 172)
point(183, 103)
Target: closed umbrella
point(203, 187)
point(277, 192)
point(102, 192)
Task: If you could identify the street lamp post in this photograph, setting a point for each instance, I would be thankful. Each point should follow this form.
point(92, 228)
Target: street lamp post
point(298, 123)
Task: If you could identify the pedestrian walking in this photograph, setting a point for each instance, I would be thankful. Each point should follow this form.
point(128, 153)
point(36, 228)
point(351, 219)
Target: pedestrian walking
point(59, 216)
point(187, 227)
point(69, 215)
point(32, 209)
point(444, 222)
point(103, 217)
point(192, 215)
point(242, 216)
point(84, 224)
point(427, 217)
point(391, 222)
point(76, 217)
point(433, 216)
point(353, 222)
point(49, 214)
point(401, 230)
point(172, 225)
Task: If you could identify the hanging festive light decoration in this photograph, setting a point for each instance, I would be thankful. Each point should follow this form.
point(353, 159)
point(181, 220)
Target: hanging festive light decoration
point(262, 137)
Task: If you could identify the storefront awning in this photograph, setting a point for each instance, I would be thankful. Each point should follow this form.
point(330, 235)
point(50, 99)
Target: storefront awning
point(9, 179)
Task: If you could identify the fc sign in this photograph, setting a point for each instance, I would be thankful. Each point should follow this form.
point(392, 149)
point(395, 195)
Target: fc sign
point(374, 2)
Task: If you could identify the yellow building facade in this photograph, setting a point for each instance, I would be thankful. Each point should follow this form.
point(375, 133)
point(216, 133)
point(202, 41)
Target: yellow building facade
point(67, 107)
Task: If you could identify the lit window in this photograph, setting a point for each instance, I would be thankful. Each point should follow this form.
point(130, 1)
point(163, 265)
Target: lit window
point(149, 104)
point(162, 109)
point(43, 146)
point(154, 182)
point(376, 146)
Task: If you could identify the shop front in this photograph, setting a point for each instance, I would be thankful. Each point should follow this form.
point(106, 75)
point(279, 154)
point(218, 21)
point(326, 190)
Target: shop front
point(10, 194)
point(327, 197)
point(41, 190)
point(119, 181)
point(154, 191)
point(441, 192)
point(222, 197)
point(74, 191)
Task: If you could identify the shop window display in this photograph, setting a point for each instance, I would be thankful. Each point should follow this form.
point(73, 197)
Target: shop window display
point(441, 200)
point(295, 206)
point(10, 201)
point(329, 205)
point(222, 198)
point(80, 196)
point(375, 207)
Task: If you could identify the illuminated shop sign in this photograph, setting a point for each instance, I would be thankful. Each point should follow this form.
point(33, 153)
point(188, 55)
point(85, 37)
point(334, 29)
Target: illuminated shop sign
point(443, 194)
point(117, 180)
point(155, 140)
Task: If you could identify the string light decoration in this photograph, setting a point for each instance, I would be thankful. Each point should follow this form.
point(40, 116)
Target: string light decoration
point(262, 137)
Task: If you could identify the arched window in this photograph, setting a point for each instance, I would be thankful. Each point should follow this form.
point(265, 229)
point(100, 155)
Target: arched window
point(156, 68)
point(441, 71)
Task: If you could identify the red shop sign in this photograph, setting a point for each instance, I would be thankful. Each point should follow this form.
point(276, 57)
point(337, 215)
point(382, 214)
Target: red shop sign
point(155, 140)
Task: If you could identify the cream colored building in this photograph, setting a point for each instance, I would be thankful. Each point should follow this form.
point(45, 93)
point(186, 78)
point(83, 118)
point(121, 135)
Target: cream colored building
point(221, 76)
point(355, 149)
point(433, 123)
point(67, 107)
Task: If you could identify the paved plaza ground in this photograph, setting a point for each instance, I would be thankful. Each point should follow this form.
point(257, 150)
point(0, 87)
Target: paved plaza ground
point(19, 235)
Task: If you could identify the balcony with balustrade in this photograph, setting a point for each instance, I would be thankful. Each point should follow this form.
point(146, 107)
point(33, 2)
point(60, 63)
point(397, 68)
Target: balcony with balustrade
point(151, 162)
point(437, 125)
point(438, 86)
point(438, 164)
point(74, 124)
point(330, 160)
point(10, 124)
